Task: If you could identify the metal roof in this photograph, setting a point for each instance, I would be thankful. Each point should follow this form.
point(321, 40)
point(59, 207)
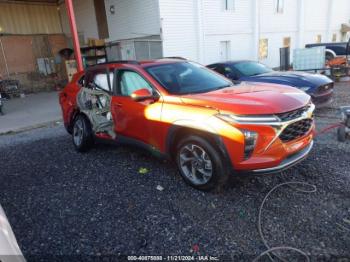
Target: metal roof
point(30, 1)
point(27, 17)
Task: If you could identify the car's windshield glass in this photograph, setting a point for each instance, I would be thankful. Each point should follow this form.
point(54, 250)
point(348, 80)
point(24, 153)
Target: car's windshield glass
point(187, 78)
point(251, 68)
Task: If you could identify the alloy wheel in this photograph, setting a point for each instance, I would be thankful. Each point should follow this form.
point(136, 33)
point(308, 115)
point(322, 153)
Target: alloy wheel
point(195, 164)
point(78, 132)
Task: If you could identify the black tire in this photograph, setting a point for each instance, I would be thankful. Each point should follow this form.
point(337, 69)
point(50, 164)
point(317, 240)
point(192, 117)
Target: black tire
point(82, 128)
point(219, 174)
point(341, 133)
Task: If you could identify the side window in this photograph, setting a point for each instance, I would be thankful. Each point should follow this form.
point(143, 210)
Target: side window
point(227, 70)
point(101, 81)
point(130, 81)
point(220, 69)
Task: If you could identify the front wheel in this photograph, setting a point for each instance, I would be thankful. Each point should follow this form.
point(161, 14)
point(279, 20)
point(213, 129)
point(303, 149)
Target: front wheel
point(200, 164)
point(82, 134)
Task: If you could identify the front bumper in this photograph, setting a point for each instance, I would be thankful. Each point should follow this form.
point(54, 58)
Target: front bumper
point(288, 162)
point(322, 99)
point(273, 152)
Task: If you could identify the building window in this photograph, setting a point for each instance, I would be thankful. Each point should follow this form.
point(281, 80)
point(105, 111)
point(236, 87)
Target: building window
point(279, 6)
point(286, 41)
point(263, 48)
point(318, 39)
point(334, 38)
point(228, 5)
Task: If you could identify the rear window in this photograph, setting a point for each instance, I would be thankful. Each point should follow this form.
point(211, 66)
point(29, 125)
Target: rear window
point(251, 68)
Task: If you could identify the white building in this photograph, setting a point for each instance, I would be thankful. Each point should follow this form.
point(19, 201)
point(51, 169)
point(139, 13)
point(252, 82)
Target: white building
point(208, 31)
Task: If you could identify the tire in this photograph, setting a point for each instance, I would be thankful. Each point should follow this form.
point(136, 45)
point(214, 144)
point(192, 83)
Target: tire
point(82, 134)
point(201, 171)
point(341, 133)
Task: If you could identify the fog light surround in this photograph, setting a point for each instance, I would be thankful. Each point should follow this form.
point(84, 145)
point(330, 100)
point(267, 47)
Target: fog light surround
point(250, 138)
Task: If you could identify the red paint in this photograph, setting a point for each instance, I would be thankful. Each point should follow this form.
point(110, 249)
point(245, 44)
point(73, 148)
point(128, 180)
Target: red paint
point(68, 99)
point(74, 32)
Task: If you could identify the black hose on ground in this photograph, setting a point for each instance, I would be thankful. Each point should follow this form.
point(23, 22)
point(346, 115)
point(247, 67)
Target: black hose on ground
point(271, 250)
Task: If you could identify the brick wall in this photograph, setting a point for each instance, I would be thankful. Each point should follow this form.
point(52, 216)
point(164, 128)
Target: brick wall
point(22, 51)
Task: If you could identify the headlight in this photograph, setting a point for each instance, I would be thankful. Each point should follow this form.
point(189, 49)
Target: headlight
point(305, 88)
point(250, 138)
point(248, 118)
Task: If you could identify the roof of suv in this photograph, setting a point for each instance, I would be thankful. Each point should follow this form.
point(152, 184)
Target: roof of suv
point(143, 63)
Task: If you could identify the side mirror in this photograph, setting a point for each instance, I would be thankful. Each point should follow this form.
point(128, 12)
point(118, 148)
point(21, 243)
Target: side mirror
point(142, 95)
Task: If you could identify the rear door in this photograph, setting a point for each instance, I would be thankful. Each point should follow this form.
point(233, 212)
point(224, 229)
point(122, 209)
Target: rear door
point(94, 100)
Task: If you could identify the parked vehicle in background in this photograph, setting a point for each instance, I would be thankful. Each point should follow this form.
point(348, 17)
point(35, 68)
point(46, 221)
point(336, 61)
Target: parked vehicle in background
point(9, 249)
point(185, 112)
point(319, 87)
point(332, 49)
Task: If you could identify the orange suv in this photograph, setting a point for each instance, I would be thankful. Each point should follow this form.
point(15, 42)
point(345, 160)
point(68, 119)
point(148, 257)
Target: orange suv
point(181, 110)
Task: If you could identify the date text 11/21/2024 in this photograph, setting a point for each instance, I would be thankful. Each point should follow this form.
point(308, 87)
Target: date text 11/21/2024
point(172, 258)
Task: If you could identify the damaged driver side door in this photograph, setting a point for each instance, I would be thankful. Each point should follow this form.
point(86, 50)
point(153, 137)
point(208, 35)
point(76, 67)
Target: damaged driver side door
point(94, 100)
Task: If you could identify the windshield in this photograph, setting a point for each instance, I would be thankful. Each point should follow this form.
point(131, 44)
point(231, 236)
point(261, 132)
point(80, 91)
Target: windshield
point(187, 78)
point(251, 68)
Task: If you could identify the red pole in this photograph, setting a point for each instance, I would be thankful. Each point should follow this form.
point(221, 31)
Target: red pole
point(74, 32)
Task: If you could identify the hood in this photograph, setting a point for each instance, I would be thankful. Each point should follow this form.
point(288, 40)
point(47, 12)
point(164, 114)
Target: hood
point(292, 78)
point(251, 99)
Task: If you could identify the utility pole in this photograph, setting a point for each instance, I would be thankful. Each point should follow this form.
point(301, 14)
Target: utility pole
point(74, 32)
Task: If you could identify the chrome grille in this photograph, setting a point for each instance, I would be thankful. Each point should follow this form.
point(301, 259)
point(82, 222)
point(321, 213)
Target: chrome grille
point(296, 130)
point(293, 114)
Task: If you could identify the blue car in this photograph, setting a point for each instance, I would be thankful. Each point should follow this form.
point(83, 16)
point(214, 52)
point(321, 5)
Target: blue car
point(319, 87)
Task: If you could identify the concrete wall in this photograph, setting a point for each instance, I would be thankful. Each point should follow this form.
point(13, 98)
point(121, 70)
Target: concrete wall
point(276, 26)
point(195, 28)
point(202, 24)
point(85, 18)
point(132, 18)
point(20, 58)
point(179, 23)
point(235, 26)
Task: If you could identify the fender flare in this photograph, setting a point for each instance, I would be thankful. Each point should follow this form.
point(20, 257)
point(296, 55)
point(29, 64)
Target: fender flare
point(187, 124)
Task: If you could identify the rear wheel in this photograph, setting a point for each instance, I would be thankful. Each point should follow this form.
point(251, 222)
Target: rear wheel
point(200, 164)
point(82, 134)
point(341, 133)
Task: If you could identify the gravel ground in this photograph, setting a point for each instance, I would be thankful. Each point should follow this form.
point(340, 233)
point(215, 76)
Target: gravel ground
point(68, 206)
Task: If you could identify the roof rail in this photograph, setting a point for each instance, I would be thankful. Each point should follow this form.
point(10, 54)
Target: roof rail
point(133, 62)
point(174, 57)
